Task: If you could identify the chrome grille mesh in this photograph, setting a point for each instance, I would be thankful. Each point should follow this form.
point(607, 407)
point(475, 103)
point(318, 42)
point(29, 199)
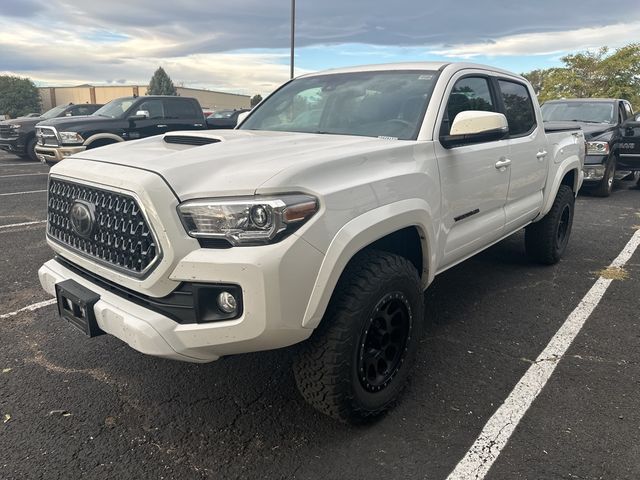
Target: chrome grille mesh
point(121, 236)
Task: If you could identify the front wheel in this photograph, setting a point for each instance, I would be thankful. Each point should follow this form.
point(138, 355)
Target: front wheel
point(605, 187)
point(547, 239)
point(358, 361)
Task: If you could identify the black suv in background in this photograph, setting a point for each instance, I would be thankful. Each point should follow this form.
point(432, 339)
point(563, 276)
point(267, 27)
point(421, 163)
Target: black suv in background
point(18, 136)
point(601, 120)
point(125, 118)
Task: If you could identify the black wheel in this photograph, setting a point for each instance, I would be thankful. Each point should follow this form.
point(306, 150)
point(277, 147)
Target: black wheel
point(547, 239)
point(358, 360)
point(605, 187)
point(31, 149)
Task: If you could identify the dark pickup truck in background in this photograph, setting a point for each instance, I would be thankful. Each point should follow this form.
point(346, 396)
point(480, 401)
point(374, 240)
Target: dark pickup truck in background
point(602, 120)
point(629, 146)
point(18, 136)
point(126, 118)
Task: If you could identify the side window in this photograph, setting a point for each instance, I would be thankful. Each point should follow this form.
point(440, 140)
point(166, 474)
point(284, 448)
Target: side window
point(469, 93)
point(179, 110)
point(627, 109)
point(82, 110)
point(518, 107)
point(154, 107)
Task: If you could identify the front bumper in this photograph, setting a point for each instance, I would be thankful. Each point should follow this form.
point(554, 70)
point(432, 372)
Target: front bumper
point(11, 145)
point(51, 154)
point(275, 297)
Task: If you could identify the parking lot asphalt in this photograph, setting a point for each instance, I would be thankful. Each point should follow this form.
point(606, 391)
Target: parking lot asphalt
point(71, 407)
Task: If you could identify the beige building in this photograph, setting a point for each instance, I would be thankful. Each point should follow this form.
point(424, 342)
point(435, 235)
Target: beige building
point(209, 99)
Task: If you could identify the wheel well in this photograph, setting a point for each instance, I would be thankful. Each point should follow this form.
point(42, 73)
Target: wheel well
point(569, 180)
point(405, 242)
point(101, 142)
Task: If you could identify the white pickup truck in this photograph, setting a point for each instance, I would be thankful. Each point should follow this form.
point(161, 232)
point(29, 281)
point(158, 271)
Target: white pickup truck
point(320, 219)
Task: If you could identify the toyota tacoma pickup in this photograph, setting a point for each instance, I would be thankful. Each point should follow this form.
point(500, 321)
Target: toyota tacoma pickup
point(319, 220)
point(18, 136)
point(126, 118)
point(601, 120)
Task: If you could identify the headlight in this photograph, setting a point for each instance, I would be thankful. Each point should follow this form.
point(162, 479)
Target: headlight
point(14, 127)
point(597, 148)
point(247, 220)
point(70, 137)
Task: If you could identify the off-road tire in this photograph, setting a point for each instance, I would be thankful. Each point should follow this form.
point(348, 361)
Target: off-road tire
point(547, 239)
point(328, 367)
point(605, 187)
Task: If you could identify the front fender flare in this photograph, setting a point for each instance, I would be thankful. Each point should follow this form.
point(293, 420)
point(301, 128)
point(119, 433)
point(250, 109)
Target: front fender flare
point(102, 136)
point(361, 232)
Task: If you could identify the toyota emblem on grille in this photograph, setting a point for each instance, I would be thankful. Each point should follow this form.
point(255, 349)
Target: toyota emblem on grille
point(82, 217)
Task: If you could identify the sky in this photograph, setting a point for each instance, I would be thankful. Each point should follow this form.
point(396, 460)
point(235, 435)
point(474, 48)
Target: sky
point(243, 46)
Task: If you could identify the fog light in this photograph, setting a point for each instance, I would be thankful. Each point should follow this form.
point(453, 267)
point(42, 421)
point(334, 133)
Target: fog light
point(227, 302)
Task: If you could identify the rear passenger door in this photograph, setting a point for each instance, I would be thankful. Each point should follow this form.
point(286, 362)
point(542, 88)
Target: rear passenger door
point(527, 151)
point(474, 184)
point(182, 114)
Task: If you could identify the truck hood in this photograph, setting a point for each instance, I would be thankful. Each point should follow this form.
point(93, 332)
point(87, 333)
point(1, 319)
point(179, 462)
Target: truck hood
point(69, 123)
point(24, 121)
point(239, 161)
point(593, 131)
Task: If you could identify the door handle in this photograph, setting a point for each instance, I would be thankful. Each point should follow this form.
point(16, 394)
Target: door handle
point(540, 155)
point(502, 164)
point(161, 126)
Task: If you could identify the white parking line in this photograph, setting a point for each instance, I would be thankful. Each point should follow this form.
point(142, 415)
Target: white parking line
point(495, 434)
point(29, 308)
point(21, 193)
point(24, 175)
point(24, 224)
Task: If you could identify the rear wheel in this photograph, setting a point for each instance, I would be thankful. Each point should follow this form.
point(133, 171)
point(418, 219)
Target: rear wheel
point(358, 361)
point(547, 239)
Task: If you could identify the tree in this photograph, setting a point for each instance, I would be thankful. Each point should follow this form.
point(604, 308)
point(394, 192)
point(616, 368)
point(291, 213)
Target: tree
point(592, 74)
point(256, 99)
point(18, 96)
point(161, 84)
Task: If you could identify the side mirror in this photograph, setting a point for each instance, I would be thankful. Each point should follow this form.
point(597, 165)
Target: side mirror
point(68, 114)
point(241, 117)
point(475, 126)
point(140, 115)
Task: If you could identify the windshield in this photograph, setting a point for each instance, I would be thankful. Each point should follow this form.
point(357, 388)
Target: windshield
point(115, 108)
point(54, 112)
point(589, 112)
point(373, 104)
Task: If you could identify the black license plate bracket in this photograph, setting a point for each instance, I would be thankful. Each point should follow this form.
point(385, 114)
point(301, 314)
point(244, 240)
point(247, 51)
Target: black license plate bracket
point(75, 305)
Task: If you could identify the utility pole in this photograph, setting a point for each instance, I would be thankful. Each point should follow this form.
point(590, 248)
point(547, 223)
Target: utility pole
point(293, 33)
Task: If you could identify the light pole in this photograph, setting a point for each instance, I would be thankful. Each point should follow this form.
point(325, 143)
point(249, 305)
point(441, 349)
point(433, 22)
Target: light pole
point(293, 33)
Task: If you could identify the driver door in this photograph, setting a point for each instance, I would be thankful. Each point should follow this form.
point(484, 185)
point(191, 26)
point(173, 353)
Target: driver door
point(474, 178)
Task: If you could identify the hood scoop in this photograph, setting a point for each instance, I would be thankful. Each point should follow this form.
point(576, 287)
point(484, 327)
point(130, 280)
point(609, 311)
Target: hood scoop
point(191, 140)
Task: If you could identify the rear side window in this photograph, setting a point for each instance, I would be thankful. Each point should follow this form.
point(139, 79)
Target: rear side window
point(518, 107)
point(177, 109)
point(469, 93)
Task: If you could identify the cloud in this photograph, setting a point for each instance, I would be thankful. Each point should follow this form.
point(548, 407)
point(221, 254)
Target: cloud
point(546, 43)
point(242, 46)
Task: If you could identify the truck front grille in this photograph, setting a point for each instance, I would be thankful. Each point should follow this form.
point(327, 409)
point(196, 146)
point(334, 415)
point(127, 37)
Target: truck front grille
point(47, 136)
point(7, 132)
point(109, 226)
